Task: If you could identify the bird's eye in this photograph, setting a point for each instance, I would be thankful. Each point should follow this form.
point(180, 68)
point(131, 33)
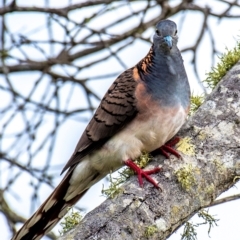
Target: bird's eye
point(157, 32)
point(176, 32)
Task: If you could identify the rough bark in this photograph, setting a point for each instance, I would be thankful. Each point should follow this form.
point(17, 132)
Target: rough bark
point(211, 151)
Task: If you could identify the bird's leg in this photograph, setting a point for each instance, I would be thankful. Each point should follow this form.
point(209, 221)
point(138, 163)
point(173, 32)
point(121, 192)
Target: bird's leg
point(142, 173)
point(168, 148)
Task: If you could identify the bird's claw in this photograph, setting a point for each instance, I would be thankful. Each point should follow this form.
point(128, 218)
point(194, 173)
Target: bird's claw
point(143, 173)
point(168, 148)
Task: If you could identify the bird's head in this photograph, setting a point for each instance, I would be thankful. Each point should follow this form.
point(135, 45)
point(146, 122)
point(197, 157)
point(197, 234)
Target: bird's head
point(166, 34)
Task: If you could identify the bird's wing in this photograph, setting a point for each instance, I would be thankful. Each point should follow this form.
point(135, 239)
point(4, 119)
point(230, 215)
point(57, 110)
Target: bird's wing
point(117, 108)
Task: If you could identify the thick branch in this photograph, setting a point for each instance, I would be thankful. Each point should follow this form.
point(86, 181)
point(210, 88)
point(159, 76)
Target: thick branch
point(213, 155)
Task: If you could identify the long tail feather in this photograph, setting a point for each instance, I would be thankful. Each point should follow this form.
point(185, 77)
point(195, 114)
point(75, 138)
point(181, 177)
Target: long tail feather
point(56, 205)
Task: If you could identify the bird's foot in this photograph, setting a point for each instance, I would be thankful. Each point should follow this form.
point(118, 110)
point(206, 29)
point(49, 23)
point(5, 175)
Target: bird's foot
point(168, 148)
point(143, 173)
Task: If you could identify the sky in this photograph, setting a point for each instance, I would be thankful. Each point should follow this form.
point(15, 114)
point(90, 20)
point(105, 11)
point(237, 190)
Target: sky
point(226, 33)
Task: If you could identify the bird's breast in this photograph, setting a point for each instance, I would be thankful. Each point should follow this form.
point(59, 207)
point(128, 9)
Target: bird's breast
point(156, 126)
point(148, 131)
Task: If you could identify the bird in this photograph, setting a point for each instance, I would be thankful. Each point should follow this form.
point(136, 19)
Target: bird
point(142, 110)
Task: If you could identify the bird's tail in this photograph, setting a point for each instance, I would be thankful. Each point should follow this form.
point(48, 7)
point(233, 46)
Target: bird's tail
point(73, 186)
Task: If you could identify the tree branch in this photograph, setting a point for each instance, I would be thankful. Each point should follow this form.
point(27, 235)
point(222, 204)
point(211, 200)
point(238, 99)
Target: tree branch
point(224, 200)
point(13, 7)
point(210, 141)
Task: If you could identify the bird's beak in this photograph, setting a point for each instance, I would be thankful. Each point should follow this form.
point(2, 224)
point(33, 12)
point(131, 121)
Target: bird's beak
point(168, 40)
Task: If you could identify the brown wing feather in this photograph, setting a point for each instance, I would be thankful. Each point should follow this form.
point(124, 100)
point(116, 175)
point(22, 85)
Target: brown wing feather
point(117, 108)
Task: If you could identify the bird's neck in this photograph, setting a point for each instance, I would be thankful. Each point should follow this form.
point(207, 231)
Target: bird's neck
point(163, 72)
point(158, 57)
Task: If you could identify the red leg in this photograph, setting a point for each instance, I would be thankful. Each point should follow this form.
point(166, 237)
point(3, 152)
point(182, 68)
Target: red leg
point(141, 173)
point(168, 148)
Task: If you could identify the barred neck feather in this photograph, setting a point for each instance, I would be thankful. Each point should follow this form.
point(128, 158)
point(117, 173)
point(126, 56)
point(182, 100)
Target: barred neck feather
point(165, 76)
